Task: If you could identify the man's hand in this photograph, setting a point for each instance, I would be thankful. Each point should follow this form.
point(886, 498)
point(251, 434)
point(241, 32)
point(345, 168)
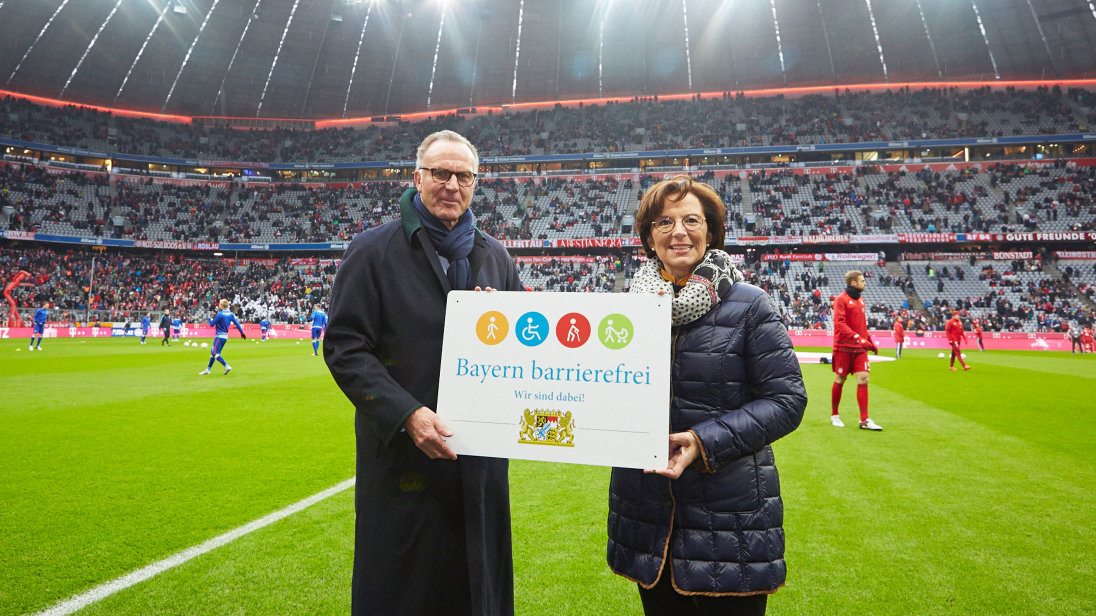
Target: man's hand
point(428, 432)
point(684, 450)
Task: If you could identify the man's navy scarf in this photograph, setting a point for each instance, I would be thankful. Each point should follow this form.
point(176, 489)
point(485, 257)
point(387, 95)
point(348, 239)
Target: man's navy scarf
point(455, 245)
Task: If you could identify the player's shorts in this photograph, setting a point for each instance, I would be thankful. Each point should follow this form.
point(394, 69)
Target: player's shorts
point(218, 345)
point(176, 330)
point(850, 363)
point(316, 332)
point(39, 328)
point(954, 347)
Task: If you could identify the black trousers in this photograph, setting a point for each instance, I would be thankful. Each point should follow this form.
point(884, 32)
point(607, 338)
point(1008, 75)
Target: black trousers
point(1076, 345)
point(663, 600)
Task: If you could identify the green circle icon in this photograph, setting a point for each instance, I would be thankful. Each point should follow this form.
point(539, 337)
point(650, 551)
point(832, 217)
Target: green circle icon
point(615, 331)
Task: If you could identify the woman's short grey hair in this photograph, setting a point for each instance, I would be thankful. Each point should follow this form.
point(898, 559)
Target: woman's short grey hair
point(446, 135)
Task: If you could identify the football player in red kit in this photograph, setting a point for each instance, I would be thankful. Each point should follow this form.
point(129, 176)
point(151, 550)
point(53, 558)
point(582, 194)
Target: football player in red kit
point(851, 344)
point(1087, 341)
point(954, 330)
point(978, 335)
point(899, 337)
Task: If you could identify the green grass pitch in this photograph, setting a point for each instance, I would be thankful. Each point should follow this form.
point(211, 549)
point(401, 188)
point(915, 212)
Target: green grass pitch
point(979, 497)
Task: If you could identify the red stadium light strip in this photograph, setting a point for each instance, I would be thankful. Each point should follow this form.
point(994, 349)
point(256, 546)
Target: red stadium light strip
point(422, 115)
point(129, 113)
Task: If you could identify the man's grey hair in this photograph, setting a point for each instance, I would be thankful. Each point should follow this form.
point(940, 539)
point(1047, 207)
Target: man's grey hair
point(445, 135)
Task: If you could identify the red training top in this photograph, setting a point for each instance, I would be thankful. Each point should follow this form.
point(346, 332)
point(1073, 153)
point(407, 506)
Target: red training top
point(850, 323)
point(899, 331)
point(955, 331)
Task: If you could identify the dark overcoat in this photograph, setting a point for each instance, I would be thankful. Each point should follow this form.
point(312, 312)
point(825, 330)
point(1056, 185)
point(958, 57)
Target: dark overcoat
point(431, 536)
point(717, 529)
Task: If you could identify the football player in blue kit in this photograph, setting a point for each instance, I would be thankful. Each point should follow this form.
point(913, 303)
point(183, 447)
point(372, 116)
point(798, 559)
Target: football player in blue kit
point(40, 317)
point(319, 325)
point(146, 322)
point(221, 321)
point(264, 325)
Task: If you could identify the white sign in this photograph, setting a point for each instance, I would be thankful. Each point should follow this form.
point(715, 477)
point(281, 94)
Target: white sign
point(558, 377)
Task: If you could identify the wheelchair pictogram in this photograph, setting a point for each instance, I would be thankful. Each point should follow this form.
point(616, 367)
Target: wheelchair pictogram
point(531, 329)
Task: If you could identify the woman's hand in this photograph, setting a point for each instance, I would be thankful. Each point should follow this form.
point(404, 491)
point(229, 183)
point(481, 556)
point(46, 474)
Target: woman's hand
point(479, 289)
point(684, 450)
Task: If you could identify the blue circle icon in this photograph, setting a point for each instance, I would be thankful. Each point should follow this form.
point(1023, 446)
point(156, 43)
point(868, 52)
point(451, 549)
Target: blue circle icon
point(531, 329)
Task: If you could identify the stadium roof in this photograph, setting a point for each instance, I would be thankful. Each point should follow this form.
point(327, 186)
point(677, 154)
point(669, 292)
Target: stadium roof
point(351, 58)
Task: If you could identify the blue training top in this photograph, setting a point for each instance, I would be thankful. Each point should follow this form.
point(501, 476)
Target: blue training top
point(222, 320)
point(264, 324)
point(145, 322)
point(319, 319)
point(176, 322)
point(40, 316)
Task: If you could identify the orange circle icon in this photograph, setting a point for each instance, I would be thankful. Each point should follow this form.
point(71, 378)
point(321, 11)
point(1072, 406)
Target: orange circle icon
point(492, 327)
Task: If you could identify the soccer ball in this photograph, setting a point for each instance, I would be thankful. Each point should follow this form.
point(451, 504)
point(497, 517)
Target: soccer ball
point(964, 356)
point(298, 342)
point(205, 345)
point(940, 355)
point(187, 343)
point(18, 348)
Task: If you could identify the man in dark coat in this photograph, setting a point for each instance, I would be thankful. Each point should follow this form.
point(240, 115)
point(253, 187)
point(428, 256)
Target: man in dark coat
point(165, 327)
point(432, 532)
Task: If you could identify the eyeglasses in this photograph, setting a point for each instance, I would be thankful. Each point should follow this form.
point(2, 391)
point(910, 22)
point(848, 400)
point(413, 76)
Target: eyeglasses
point(692, 222)
point(441, 176)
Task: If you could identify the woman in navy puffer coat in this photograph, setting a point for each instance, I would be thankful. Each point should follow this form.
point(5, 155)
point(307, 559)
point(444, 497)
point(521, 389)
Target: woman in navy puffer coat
point(704, 535)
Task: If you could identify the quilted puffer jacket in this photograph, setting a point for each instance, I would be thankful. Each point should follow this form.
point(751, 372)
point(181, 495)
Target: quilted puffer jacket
point(735, 383)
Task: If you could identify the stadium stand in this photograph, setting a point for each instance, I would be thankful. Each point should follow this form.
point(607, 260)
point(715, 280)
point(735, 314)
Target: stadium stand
point(642, 124)
point(996, 197)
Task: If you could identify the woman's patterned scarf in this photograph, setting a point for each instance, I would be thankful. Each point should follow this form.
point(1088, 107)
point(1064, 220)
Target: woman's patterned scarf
point(710, 281)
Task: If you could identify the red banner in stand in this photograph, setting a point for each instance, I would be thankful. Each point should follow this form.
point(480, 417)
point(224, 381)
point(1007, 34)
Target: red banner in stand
point(925, 238)
point(559, 259)
point(1062, 236)
point(826, 239)
point(1012, 256)
point(789, 256)
point(597, 242)
point(1076, 254)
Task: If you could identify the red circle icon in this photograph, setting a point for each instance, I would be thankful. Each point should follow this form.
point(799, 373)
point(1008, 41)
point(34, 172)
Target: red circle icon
point(572, 330)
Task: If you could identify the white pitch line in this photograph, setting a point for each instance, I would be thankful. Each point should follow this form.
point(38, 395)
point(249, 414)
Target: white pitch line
point(103, 591)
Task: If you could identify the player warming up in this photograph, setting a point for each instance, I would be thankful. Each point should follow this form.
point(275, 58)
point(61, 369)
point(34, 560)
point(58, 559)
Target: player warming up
point(319, 326)
point(954, 330)
point(146, 322)
point(978, 336)
point(264, 326)
point(899, 337)
point(40, 317)
point(851, 344)
point(176, 327)
point(220, 322)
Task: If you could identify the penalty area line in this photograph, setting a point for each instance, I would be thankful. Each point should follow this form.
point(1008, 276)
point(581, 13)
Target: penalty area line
point(84, 599)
